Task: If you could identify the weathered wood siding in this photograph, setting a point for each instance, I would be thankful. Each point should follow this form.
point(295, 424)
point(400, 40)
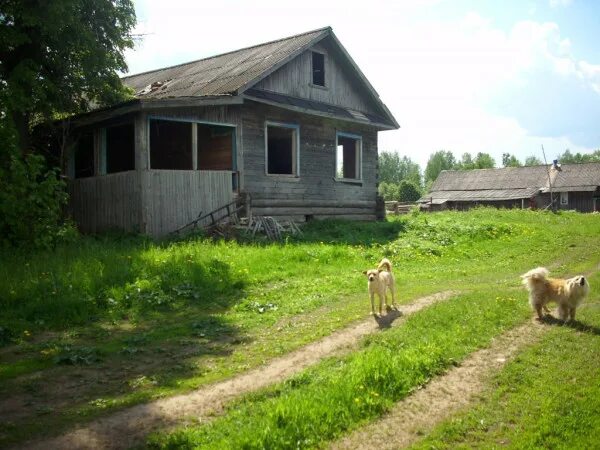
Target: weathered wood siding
point(314, 192)
point(175, 198)
point(342, 86)
point(106, 202)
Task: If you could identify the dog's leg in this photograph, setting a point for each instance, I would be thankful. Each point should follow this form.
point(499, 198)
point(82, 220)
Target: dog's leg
point(563, 312)
point(372, 302)
point(572, 310)
point(393, 291)
point(379, 294)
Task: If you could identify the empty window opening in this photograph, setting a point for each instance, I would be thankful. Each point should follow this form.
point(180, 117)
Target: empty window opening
point(215, 147)
point(84, 156)
point(318, 69)
point(282, 143)
point(348, 155)
point(171, 145)
point(120, 148)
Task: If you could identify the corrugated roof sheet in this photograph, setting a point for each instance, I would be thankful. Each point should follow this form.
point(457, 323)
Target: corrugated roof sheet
point(222, 74)
point(480, 195)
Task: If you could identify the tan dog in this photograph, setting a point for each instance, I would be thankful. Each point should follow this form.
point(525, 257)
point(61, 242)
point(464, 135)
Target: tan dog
point(568, 294)
point(380, 280)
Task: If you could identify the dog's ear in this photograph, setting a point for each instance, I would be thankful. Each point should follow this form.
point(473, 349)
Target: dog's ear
point(380, 270)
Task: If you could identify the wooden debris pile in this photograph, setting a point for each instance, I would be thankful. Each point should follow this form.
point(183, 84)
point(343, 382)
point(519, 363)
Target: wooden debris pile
point(271, 228)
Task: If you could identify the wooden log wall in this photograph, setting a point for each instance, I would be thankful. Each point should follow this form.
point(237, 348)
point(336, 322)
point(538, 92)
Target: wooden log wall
point(314, 193)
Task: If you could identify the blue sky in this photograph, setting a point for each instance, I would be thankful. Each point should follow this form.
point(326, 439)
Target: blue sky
point(465, 76)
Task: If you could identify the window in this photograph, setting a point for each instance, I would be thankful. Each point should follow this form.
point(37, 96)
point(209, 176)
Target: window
point(348, 157)
point(120, 148)
point(84, 156)
point(282, 144)
point(318, 69)
point(564, 198)
point(171, 145)
point(215, 147)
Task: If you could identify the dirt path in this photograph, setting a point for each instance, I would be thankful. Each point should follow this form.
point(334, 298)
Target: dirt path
point(129, 427)
point(416, 415)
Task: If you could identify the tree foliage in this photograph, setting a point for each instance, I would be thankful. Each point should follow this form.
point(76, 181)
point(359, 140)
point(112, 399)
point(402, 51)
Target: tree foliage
point(394, 169)
point(509, 160)
point(59, 56)
point(569, 158)
point(533, 161)
point(438, 161)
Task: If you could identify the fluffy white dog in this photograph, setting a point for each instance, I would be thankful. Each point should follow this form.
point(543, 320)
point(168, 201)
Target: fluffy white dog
point(568, 294)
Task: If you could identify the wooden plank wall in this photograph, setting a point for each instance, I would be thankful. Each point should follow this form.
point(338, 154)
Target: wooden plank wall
point(315, 192)
point(341, 88)
point(177, 197)
point(106, 202)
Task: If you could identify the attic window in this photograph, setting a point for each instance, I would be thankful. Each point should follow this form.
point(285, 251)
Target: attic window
point(318, 69)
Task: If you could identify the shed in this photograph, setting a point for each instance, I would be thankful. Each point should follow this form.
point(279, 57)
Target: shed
point(573, 186)
point(291, 123)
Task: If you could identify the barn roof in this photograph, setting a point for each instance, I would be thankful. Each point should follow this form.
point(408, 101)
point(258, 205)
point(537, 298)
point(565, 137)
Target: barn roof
point(234, 73)
point(511, 183)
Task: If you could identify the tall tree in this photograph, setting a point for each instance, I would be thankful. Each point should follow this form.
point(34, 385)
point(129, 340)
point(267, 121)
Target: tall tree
point(466, 162)
point(58, 57)
point(438, 161)
point(509, 160)
point(393, 169)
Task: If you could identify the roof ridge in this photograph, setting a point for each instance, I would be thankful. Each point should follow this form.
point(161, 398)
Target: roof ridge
point(327, 28)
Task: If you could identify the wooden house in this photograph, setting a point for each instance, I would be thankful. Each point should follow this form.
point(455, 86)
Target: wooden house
point(291, 123)
point(570, 186)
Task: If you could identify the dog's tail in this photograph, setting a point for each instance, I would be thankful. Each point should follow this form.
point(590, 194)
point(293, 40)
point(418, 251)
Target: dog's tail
point(534, 275)
point(385, 264)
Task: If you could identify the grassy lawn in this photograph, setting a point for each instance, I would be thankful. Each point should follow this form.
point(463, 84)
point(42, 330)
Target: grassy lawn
point(548, 397)
point(109, 322)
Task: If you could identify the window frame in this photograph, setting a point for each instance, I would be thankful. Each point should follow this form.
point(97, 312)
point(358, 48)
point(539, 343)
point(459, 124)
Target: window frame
point(359, 157)
point(312, 79)
point(295, 148)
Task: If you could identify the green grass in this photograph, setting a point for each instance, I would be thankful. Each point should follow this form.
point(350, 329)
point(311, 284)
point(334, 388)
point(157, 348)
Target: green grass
point(335, 396)
point(155, 319)
point(548, 397)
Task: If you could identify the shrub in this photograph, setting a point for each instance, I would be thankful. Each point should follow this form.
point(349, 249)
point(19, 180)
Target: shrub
point(31, 198)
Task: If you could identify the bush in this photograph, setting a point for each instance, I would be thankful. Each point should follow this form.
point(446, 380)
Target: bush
point(31, 200)
point(408, 191)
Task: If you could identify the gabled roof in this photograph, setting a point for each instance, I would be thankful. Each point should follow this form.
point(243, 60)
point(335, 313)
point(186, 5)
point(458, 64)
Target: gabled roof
point(234, 73)
point(226, 74)
point(511, 183)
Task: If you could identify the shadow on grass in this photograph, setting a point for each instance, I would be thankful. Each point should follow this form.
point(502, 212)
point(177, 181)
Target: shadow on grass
point(574, 324)
point(386, 320)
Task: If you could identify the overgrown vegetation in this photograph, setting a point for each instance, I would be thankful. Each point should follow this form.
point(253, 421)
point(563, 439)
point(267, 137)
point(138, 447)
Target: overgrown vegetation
point(161, 318)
